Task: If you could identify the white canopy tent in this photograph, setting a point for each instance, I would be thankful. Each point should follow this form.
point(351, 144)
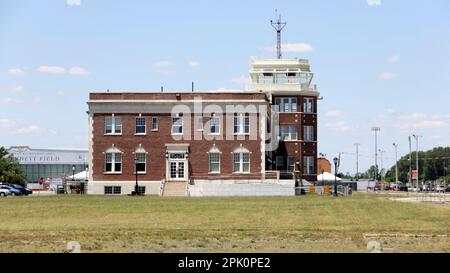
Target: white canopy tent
point(82, 176)
point(326, 176)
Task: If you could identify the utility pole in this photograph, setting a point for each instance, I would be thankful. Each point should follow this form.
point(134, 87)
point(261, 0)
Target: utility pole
point(417, 158)
point(381, 164)
point(357, 163)
point(410, 162)
point(396, 160)
point(278, 26)
point(376, 130)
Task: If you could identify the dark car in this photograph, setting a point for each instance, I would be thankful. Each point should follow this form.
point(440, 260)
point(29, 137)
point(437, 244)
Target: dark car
point(24, 190)
point(13, 191)
point(402, 188)
point(448, 188)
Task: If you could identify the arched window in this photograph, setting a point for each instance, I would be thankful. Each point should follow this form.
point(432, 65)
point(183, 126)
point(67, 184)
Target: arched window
point(140, 160)
point(113, 160)
point(214, 160)
point(241, 160)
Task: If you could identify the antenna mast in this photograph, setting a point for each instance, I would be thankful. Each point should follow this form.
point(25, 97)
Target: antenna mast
point(278, 26)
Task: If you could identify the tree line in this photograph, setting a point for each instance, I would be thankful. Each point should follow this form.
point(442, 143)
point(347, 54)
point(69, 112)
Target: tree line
point(10, 169)
point(434, 165)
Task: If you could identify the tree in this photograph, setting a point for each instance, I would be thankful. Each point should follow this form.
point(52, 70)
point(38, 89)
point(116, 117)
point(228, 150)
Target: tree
point(433, 165)
point(10, 169)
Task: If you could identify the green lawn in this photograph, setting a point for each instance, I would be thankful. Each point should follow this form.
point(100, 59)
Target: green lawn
point(309, 223)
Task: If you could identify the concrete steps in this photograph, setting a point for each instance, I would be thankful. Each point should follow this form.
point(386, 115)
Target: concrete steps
point(174, 189)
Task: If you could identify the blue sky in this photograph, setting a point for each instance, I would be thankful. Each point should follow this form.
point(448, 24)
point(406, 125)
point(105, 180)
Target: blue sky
point(377, 62)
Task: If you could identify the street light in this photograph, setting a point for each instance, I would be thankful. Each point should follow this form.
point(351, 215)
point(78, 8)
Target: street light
point(416, 137)
point(136, 187)
point(396, 164)
point(381, 163)
point(336, 161)
point(73, 172)
point(357, 156)
point(375, 130)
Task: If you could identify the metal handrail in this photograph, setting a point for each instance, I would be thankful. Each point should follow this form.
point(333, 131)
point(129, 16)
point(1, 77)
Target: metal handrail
point(161, 187)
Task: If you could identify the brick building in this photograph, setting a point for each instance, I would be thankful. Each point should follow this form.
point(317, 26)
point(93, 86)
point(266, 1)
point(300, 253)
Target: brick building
point(259, 141)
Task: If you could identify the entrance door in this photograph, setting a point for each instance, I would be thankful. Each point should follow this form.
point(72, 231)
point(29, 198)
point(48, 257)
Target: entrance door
point(176, 170)
point(177, 167)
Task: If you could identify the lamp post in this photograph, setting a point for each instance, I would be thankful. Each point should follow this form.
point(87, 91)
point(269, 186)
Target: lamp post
point(336, 161)
point(357, 157)
point(396, 162)
point(136, 187)
point(416, 137)
point(381, 164)
point(376, 130)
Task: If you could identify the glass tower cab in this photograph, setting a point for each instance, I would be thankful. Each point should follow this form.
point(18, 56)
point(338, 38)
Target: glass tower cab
point(282, 77)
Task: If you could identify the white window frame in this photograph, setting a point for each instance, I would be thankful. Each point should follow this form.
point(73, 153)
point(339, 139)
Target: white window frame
point(308, 165)
point(308, 133)
point(114, 126)
point(216, 123)
point(241, 121)
point(241, 162)
point(173, 125)
point(113, 162)
point(154, 121)
point(215, 162)
point(136, 126)
point(308, 105)
point(137, 155)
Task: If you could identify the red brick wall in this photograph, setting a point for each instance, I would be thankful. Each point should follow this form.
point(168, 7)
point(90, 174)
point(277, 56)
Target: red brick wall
point(154, 144)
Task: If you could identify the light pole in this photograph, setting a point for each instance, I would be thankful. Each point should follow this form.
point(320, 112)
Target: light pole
point(336, 162)
point(376, 130)
point(357, 163)
point(410, 163)
point(136, 187)
point(416, 137)
point(73, 172)
point(396, 164)
point(381, 164)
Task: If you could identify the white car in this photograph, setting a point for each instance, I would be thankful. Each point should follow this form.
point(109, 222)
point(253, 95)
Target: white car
point(4, 192)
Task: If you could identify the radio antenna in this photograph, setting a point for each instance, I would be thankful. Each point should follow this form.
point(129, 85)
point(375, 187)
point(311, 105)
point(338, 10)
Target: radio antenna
point(278, 26)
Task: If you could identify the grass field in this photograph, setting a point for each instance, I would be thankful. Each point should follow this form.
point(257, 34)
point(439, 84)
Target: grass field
point(309, 223)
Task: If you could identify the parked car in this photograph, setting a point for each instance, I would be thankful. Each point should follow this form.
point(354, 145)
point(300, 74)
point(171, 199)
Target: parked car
point(448, 188)
point(439, 188)
point(402, 188)
point(13, 191)
point(24, 190)
point(4, 192)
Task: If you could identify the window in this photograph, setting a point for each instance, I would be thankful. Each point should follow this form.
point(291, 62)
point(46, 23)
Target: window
point(177, 125)
point(141, 159)
point(286, 104)
point(308, 165)
point(140, 126)
point(154, 124)
point(308, 133)
point(113, 125)
point(291, 163)
point(113, 190)
point(308, 105)
point(214, 162)
point(199, 124)
point(113, 162)
point(141, 190)
point(214, 125)
point(280, 163)
point(241, 162)
point(288, 132)
point(241, 124)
